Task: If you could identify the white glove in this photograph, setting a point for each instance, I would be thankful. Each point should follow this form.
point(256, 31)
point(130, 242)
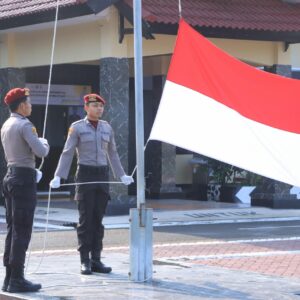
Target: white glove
point(44, 141)
point(39, 175)
point(126, 179)
point(55, 182)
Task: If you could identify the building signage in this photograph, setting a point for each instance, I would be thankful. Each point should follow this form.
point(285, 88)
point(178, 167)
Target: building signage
point(60, 94)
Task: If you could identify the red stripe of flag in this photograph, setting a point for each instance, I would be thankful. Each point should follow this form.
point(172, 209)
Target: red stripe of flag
point(260, 96)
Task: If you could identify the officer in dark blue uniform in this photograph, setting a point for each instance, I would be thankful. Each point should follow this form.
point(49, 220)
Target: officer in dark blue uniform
point(21, 144)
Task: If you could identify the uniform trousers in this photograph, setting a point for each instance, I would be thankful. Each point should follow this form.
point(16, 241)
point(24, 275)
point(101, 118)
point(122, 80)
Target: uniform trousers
point(19, 188)
point(92, 201)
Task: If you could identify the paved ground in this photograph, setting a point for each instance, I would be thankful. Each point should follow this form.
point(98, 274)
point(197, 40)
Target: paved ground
point(269, 257)
point(166, 212)
point(254, 268)
point(177, 278)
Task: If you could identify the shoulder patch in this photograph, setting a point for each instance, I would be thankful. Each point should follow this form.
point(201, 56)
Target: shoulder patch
point(70, 130)
point(34, 130)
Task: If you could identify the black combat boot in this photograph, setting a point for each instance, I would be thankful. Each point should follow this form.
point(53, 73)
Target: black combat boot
point(6, 279)
point(85, 268)
point(97, 265)
point(18, 284)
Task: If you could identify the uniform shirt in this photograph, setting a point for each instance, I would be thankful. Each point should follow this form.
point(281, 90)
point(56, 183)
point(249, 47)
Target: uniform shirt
point(94, 147)
point(21, 143)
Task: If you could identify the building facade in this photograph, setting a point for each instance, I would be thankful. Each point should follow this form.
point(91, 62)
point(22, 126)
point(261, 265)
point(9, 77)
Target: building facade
point(94, 53)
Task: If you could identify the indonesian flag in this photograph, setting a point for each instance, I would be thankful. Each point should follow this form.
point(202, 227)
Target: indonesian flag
point(218, 106)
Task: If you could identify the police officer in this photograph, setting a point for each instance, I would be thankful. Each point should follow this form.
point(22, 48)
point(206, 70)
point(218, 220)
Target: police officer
point(95, 144)
point(21, 144)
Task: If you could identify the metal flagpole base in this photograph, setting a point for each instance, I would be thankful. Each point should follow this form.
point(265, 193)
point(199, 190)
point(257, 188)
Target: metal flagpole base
point(141, 244)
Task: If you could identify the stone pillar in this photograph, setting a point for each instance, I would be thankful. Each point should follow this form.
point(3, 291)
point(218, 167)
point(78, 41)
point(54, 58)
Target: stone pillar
point(153, 169)
point(114, 87)
point(282, 70)
point(275, 194)
point(272, 193)
point(9, 78)
point(168, 162)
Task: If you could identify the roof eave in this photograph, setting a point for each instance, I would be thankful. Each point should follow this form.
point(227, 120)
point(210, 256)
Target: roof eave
point(231, 33)
point(45, 16)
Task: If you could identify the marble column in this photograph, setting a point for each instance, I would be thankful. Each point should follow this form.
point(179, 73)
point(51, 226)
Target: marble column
point(114, 87)
point(168, 172)
point(273, 193)
point(9, 78)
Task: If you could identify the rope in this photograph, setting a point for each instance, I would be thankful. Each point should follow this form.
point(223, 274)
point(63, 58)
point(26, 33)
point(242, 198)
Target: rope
point(48, 210)
point(136, 165)
point(50, 75)
point(47, 99)
point(45, 235)
point(44, 132)
point(92, 182)
point(51, 66)
point(47, 218)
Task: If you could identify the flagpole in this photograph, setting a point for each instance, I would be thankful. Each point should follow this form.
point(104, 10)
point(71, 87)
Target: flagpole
point(139, 105)
point(140, 217)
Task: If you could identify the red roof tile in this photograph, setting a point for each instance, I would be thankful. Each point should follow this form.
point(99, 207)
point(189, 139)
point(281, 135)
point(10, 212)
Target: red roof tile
point(267, 15)
point(15, 8)
point(274, 15)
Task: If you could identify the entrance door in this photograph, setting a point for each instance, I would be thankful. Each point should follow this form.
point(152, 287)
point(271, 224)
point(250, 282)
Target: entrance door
point(56, 133)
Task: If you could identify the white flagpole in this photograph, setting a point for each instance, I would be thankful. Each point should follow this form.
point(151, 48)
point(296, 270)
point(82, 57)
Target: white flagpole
point(140, 217)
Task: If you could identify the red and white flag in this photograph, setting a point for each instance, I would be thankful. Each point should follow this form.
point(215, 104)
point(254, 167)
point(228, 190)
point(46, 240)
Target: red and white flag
point(218, 106)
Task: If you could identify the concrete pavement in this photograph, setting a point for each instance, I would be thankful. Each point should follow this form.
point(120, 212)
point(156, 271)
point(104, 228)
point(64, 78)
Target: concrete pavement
point(177, 279)
point(214, 269)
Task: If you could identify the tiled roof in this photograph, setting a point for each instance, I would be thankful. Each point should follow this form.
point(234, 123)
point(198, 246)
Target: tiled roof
point(263, 15)
point(274, 15)
point(16, 8)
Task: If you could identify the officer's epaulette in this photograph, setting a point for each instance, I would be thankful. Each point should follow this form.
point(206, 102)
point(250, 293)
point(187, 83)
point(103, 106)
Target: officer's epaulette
point(25, 120)
point(77, 122)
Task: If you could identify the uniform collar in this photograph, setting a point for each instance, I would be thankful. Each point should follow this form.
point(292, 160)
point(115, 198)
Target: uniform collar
point(16, 115)
point(88, 122)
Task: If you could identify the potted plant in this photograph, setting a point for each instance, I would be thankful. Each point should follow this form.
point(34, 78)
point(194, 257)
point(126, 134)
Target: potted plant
point(253, 179)
point(225, 175)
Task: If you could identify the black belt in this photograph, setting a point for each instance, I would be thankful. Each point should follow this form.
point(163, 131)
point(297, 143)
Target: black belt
point(21, 170)
point(92, 169)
